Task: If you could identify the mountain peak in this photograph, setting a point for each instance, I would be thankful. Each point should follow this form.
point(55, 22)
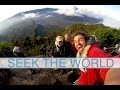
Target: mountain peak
point(75, 7)
point(41, 11)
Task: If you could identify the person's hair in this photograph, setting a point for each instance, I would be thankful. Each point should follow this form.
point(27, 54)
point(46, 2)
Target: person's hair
point(83, 34)
point(67, 33)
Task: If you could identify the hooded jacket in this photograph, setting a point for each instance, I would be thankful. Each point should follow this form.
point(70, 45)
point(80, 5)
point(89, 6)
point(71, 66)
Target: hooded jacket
point(92, 76)
point(58, 51)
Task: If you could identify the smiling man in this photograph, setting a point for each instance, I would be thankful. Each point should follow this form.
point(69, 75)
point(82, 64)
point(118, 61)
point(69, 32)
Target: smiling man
point(89, 76)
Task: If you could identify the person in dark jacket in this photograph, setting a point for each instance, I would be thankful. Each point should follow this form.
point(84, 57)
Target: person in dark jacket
point(58, 49)
point(67, 43)
point(73, 49)
point(70, 52)
point(43, 50)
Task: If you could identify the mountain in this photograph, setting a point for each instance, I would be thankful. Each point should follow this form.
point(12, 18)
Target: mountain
point(41, 22)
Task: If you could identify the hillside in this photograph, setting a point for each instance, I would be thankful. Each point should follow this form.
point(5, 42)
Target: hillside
point(31, 44)
point(40, 22)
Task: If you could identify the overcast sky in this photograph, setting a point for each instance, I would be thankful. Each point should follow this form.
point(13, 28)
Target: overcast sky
point(112, 11)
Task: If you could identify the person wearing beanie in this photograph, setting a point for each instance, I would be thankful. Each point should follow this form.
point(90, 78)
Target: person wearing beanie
point(16, 52)
point(58, 49)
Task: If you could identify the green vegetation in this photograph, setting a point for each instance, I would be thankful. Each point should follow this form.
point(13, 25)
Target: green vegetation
point(31, 45)
point(6, 46)
point(105, 35)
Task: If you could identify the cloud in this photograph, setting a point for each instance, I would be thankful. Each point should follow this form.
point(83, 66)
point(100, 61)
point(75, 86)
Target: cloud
point(111, 22)
point(30, 15)
point(99, 12)
point(8, 11)
point(109, 13)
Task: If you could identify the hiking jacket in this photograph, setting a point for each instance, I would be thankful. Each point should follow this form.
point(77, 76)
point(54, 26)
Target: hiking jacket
point(92, 76)
point(58, 53)
point(73, 50)
point(67, 48)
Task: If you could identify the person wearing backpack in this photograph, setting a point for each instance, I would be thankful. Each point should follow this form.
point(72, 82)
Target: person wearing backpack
point(88, 48)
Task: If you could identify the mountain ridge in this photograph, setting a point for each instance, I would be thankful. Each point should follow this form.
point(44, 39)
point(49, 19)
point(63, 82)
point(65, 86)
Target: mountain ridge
point(46, 18)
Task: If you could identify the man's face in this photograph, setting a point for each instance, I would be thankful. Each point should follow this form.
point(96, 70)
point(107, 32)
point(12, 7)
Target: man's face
point(79, 42)
point(67, 38)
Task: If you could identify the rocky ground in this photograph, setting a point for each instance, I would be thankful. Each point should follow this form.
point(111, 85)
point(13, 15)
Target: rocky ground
point(34, 77)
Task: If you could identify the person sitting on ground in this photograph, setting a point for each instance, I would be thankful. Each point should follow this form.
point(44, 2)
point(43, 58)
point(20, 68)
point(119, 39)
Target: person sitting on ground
point(70, 52)
point(67, 43)
point(59, 50)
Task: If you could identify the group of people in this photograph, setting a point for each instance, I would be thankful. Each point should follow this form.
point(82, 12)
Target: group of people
point(63, 47)
point(82, 46)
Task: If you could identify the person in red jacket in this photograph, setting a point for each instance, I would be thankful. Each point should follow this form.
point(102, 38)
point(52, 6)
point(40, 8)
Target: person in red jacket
point(87, 47)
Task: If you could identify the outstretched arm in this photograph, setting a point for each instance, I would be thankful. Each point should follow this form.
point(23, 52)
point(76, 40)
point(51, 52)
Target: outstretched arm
point(112, 77)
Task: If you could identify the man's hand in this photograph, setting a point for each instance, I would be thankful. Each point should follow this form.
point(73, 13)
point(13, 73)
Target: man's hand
point(83, 69)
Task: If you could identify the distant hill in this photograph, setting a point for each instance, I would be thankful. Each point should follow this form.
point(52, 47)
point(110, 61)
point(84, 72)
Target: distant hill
point(40, 22)
point(107, 36)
